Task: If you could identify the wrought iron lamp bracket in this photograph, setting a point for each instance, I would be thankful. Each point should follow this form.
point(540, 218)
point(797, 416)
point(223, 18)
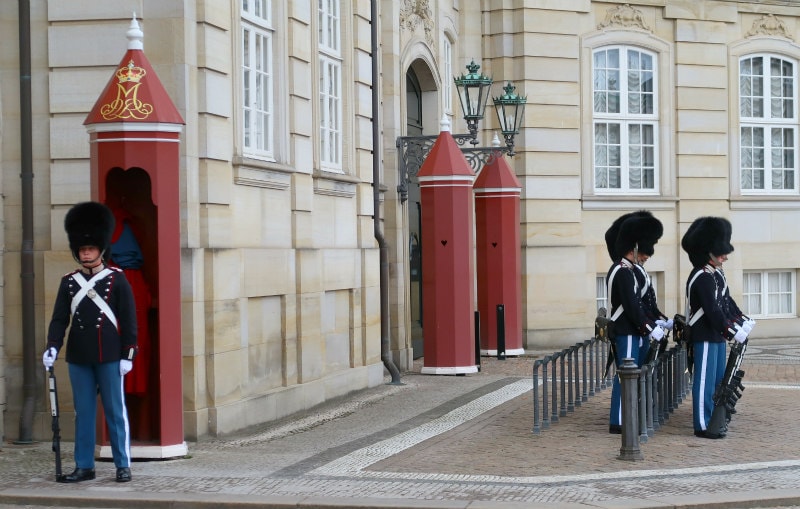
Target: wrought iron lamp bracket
point(412, 151)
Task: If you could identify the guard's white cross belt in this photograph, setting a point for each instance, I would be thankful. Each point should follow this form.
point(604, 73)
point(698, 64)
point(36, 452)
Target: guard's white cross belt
point(87, 290)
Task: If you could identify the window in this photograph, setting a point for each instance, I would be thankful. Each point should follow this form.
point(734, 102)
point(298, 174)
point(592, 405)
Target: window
point(769, 294)
point(602, 292)
point(330, 85)
point(768, 125)
point(625, 116)
point(257, 78)
point(447, 80)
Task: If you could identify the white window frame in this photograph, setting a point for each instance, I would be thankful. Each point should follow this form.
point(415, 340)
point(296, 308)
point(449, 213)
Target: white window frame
point(765, 291)
point(258, 71)
point(769, 126)
point(626, 122)
point(330, 82)
point(591, 198)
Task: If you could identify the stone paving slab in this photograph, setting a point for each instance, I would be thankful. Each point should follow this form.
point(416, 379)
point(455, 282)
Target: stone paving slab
point(443, 442)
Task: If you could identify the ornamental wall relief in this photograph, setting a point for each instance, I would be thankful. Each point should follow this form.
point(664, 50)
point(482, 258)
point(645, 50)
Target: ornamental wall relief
point(624, 16)
point(416, 15)
point(769, 24)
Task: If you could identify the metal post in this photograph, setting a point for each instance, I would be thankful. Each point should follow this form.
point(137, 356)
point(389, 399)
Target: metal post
point(651, 397)
point(642, 413)
point(564, 383)
point(478, 339)
point(501, 332)
point(545, 413)
point(592, 349)
point(585, 395)
point(656, 380)
point(628, 375)
point(576, 359)
point(537, 428)
point(554, 388)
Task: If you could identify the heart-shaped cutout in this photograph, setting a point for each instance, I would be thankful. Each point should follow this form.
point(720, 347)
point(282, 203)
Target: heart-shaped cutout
point(444, 242)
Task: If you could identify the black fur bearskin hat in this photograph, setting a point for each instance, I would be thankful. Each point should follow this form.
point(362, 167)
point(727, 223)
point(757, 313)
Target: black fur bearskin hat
point(89, 224)
point(636, 229)
point(705, 237)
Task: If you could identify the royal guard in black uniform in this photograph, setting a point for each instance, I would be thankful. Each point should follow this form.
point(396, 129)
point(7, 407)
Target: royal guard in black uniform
point(637, 320)
point(712, 315)
point(98, 302)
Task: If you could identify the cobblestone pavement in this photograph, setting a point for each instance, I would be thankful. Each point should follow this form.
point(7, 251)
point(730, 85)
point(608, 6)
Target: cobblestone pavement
point(463, 441)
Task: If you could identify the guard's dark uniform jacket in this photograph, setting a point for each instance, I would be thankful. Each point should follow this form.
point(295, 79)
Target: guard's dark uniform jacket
point(648, 294)
point(709, 292)
point(625, 292)
point(93, 337)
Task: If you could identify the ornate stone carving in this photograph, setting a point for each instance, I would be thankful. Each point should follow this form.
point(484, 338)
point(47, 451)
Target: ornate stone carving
point(769, 24)
point(624, 16)
point(414, 13)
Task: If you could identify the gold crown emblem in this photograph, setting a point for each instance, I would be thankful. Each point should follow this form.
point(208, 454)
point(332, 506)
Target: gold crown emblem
point(130, 73)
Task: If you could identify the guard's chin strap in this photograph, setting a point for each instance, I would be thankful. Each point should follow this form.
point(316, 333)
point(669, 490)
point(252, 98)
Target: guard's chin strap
point(636, 254)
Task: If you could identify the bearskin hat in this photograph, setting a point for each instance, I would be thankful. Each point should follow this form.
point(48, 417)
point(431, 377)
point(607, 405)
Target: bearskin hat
point(611, 237)
point(89, 224)
point(636, 229)
point(705, 237)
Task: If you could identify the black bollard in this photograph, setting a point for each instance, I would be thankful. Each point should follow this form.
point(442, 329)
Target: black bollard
point(629, 379)
point(478, 339)
point(501, 332)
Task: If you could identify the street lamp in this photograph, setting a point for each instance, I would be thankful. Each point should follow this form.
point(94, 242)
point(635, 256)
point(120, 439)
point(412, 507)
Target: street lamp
point(473, 92)
point(510, 110)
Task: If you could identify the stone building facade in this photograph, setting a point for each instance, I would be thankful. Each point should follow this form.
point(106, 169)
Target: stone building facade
point(682, 107)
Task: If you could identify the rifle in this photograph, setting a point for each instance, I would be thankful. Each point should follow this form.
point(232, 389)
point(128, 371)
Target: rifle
point(729, 390)
point(604, 331)
point(683, 337)
point(55, 426)
point(657, 348)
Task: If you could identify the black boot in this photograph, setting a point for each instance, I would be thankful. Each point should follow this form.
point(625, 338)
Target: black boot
point(123, 474)
point(78, 475)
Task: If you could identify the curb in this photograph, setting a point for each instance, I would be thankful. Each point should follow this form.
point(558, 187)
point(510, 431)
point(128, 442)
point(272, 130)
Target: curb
point(130, 499)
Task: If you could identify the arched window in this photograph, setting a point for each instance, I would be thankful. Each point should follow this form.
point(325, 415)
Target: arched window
point(768, 124)
point(625, 120)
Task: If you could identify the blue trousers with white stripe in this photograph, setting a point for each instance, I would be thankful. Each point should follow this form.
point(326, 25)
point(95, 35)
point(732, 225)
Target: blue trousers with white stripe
point(635, 347)
point(85, 380)
point(709, 369)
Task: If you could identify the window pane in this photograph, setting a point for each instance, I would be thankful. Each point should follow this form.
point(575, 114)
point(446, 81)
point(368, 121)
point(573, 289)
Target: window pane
point(257, 90)
point(600, 291)
point(606, 81)
point(751, 293)
point(607, 156)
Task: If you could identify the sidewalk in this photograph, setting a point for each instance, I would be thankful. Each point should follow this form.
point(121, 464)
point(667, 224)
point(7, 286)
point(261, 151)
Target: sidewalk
point(461, 442)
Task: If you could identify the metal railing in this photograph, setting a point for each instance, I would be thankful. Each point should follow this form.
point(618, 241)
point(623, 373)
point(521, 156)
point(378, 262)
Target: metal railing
point(580, 377)
point(563, 380)
point(663, 384)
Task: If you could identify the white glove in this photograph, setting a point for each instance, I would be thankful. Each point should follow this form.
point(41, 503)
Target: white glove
point(49, 357)
point(657, 333)
point(666, 324)
point(740, 335)
point(748, 325)
point(125, 366)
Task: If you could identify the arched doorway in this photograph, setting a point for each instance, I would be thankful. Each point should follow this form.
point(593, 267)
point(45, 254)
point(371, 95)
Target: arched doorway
point(414, 128)
point(422, 107)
